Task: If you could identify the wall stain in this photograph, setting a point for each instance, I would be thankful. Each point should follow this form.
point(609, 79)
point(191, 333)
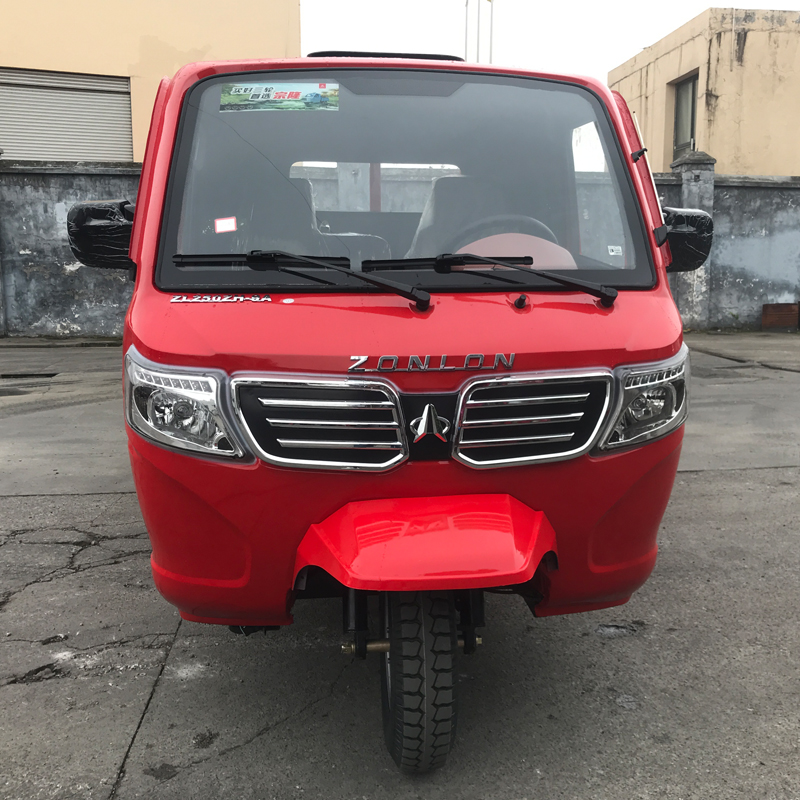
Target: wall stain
point(741, 41)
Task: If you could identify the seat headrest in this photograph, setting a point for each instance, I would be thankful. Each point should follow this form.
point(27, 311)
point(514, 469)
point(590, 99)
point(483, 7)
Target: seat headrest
point(455, 203)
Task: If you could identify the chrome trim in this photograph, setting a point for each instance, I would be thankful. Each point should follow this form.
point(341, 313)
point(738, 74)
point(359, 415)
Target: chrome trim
point(492, 423)
point(336, 404)
point(430, 422)
point(330, 423)
point(552, 437)
point(529, 401)
point(326, 444)
point(399, 454)
point(539, 378)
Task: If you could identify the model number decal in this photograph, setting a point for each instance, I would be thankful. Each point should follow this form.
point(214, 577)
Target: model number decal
point(220, 298)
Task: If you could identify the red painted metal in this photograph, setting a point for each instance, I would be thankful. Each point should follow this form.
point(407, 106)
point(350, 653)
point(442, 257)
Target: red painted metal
point(229, 537)
point(225, 536)
point(414, 543)
point(556, 330)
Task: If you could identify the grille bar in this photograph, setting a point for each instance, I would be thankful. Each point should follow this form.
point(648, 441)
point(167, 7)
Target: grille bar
point(529, 401)
point(322, 423)
point(517, 441)
point(330, 423)
point(338, 444)
point(282, 402)
point(492, 423)
point(523, 419)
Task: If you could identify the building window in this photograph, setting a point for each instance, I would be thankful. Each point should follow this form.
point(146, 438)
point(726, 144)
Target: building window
point(685, 116)
point(64, 116)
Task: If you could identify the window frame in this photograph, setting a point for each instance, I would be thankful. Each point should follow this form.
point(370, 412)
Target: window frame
point(680, 148)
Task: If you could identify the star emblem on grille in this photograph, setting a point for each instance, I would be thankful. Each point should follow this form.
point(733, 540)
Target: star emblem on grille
point(430, 422)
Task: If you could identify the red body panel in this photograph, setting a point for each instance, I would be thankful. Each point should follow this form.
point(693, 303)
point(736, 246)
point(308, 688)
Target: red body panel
point(225, 537)
point(553, 331)
point(230, 537)
point(415, 543)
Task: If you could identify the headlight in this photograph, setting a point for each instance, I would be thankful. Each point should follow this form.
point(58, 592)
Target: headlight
point(654, 401)
point(176, 407)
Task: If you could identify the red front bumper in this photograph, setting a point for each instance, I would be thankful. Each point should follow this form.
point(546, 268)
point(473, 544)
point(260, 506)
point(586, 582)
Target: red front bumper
point(226, 536)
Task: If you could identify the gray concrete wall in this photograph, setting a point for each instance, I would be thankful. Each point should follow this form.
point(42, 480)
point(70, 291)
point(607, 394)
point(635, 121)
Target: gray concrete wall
point(755, 258)
point(43, 289)
point(346, 187)
point(756, 253)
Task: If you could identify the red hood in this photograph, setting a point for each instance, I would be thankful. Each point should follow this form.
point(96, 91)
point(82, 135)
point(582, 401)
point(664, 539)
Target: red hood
point(315, 333)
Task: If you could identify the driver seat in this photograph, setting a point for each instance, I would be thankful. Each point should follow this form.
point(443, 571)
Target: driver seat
point(455, 203)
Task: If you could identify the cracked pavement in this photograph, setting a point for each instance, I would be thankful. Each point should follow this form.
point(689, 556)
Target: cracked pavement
point(690, 690)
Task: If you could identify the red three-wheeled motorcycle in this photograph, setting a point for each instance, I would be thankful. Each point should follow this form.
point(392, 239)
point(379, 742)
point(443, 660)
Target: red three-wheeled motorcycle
point(401, 328)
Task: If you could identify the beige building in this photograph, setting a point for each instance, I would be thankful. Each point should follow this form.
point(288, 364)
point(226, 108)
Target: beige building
point(727, 83)
point(78, 79)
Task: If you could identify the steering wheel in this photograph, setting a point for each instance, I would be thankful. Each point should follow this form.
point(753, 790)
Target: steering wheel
point(503, 223)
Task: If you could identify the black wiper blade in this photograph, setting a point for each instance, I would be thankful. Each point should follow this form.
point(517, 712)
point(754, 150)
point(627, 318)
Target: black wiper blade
point(264, 259)
point(444, 263)
point(238, 259)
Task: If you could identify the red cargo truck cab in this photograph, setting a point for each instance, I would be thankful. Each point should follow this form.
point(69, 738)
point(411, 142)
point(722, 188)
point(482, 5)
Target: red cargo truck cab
point(401, 329)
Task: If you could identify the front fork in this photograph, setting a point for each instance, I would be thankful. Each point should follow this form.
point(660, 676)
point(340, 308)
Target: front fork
point(355, 622)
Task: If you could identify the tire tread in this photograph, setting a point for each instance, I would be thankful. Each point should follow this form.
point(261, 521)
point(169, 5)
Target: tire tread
point(420, 722)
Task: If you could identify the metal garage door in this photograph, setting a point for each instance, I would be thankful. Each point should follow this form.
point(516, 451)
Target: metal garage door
point(62, 116)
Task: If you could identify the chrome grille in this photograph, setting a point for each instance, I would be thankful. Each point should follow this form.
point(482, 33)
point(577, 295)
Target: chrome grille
point(332, 424)
point(517, 420)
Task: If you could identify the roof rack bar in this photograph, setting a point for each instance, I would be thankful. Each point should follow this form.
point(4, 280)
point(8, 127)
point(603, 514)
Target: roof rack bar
point(368, 54)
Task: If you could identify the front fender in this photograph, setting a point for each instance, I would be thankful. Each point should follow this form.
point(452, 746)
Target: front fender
point(424, 543)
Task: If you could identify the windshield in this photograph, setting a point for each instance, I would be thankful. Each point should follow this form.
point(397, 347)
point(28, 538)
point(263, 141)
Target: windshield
point(389, 165)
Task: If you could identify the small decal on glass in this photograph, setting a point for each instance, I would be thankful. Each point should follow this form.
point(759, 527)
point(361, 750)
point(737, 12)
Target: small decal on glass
point(225, 225)
point(279, 97)
point(614, 250)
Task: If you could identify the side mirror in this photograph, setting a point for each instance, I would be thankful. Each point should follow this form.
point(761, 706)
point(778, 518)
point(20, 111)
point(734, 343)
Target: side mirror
point(100, 233)
point(689, 233)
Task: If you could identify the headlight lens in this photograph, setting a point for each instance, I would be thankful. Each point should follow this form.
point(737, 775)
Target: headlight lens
point(176, 407)
point(654, 402)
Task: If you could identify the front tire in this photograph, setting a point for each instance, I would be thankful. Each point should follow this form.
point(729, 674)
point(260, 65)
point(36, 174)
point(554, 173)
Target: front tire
point(418, 678)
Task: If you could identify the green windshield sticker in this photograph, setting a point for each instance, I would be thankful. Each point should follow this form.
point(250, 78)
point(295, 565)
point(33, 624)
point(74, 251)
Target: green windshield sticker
point(279, 97)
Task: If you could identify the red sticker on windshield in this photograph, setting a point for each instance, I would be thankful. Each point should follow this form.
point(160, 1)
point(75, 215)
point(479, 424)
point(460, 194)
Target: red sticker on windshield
point(225, 225)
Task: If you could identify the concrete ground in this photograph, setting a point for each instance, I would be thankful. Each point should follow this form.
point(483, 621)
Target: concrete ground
point(691, 690)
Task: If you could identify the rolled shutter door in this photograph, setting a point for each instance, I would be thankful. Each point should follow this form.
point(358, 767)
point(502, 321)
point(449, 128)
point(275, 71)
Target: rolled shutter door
point(62, 116)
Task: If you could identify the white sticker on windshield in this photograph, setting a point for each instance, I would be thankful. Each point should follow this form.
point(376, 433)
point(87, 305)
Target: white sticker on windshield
point(279, 97)
point(614, 250)
point(225, 225)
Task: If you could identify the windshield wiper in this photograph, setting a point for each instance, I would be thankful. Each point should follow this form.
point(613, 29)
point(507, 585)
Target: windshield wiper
point(240, 259)
point(262, 260)
point(444, 264)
